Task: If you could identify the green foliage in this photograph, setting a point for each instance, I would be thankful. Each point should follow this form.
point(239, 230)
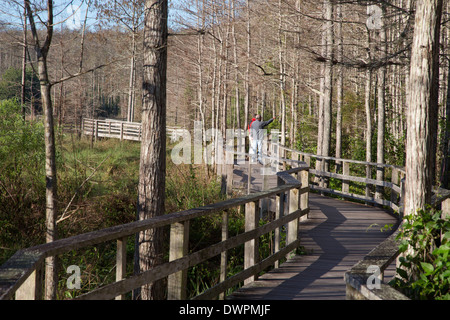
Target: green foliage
point(102, 180)
point(424, 264)
point(306, 139)
point(11, 85)
point(108, 107)
point(22, 160)
point(188, 187)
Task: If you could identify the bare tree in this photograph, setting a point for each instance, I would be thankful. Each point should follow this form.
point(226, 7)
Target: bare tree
point(381, 102)
point(422, 103)
point(247, 68)
point(128, 14)
point(41, 48)
point(151, 189)
point(326, 117)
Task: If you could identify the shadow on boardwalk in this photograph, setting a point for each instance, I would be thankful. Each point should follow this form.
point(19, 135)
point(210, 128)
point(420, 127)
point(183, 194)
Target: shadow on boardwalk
point(336, 236)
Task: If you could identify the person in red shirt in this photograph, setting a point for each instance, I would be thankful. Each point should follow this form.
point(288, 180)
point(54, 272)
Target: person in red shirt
point(257, 136)
point(250, 151)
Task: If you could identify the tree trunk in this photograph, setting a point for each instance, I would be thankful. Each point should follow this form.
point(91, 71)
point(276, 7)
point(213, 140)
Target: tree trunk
point(422, 102)
point(42, 50)
point(367, 99)
point(151, 189)
point(247, 71)
point(236, 66)
point(381, 105)
point(51, 179)
point(328, 78)
point(445, 166)
point(281, 54)
point(340, 86)
point(24, 64)
point(132, 80)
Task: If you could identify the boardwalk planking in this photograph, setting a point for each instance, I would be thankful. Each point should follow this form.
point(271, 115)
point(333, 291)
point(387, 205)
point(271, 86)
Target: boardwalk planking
point(336, 236)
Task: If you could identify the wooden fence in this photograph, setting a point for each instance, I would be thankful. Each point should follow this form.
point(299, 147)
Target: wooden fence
point(21, 277)
point(110, 128)
point(352, 178)
point(380, 258)
point(365, 188)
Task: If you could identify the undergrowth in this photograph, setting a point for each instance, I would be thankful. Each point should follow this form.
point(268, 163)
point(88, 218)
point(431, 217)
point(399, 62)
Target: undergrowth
point(424, 270)
point(97, 188)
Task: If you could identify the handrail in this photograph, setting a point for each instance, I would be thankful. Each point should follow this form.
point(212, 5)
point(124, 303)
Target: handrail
point(395, 186)
point(21, 275)
point(111, 128)
point(381, 257)
point(386, 252)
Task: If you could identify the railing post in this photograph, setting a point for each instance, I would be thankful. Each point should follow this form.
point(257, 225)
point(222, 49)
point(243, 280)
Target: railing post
point(278, 156)
point(249, 176)
point(394, 180)
point(402, 198)
point(229, 165)
point(304, 198)
point(121, 262)
point(445, 208)
point(345, 172)
point(31, 289)
point(368, 176)
point(251, 248)
point(279, 212)
point(96, 130)
point(294, 200)
point(179, 240)
point(307, 159)
point(224, 254)
point(379, 190)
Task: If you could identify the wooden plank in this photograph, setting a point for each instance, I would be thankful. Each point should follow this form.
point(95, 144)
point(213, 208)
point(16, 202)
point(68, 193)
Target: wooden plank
point(179, 245)
point(15, 271)
point(354, 196)
point(224, 254)
point(319, 157)
point(251, 248)
point(31, 289)
point(337, 236)
point(163, 270)
point(278, 215)
point(234, 280)
point(347, 177)
point(294, 203)
point(121, 262)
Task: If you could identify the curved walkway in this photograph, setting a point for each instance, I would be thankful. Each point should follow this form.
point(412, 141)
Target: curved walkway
point(336, 236)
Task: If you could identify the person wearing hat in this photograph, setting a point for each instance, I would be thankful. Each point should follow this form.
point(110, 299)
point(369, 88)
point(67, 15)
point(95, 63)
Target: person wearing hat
point(257, 136)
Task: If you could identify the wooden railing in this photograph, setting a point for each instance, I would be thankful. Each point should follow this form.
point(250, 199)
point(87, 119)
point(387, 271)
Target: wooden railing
point(381, 257)
point(389, 194)
point(21, 276)
point(353, 177)
point(110, 128)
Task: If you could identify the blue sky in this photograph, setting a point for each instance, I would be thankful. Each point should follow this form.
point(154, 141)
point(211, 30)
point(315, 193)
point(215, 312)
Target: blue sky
point(69, 13)
point(73, 14)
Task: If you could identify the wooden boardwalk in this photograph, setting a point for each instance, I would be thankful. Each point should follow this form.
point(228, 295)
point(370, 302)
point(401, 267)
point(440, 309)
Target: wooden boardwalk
point(336, 236)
